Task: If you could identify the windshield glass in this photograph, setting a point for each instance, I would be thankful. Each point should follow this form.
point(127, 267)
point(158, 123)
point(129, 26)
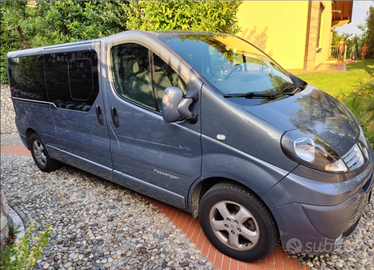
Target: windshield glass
point(230, 64)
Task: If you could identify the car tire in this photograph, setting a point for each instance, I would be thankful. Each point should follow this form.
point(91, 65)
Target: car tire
point(40, 155)
point(237, 223)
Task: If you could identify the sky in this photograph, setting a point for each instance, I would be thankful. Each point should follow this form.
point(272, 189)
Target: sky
point(359, 15)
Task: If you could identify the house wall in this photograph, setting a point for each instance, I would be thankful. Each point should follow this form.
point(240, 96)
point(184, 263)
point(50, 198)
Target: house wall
point(318, 52)
point(326, 34)
point(279, 28)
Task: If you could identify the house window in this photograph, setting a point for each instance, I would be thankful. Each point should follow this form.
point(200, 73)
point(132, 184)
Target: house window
point(320, 17)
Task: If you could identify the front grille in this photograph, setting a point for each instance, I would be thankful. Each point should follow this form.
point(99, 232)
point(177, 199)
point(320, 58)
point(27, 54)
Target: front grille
point(354, 158)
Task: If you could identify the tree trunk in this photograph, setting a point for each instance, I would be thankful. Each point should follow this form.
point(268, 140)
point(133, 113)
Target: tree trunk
point(22, 38)
point(356, 45)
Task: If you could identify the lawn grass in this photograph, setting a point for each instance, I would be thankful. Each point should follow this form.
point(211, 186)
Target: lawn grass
point(342, 82)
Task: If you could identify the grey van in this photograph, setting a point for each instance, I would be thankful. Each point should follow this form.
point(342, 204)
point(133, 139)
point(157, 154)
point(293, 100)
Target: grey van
point(206, 122)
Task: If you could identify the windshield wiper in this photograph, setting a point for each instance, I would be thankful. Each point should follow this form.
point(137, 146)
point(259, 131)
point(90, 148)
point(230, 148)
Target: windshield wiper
point(265, 95)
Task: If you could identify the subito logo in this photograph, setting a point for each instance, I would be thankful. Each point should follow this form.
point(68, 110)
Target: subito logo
point(294, 245)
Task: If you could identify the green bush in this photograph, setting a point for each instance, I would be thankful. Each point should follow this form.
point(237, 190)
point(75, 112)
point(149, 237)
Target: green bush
point(22, 255)
point(365, 88)
point(363, 109)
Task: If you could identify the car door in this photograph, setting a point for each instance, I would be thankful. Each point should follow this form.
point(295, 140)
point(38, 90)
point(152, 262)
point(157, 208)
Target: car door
point(73, 86)
point(149, 155)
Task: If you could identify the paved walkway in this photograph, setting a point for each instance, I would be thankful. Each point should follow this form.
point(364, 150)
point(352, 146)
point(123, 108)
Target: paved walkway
point(278, 259)
point(331, 65)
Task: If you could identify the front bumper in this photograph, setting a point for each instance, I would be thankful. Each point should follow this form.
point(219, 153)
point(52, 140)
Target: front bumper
point(320, 229)
point(307, 222)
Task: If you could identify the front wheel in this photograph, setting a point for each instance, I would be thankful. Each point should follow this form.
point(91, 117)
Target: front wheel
point(237, 223)
point(41, 156)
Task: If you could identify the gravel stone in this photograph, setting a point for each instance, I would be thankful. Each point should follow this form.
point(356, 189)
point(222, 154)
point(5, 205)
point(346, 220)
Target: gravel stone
point(78, 206)
point(8, 125)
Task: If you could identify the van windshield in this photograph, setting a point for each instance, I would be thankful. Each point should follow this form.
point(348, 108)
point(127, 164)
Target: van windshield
point(230, 64)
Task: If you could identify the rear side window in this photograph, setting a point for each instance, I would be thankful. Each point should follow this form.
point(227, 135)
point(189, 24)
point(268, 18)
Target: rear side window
point(26, 77)
point(80, 79)
point(72, 79)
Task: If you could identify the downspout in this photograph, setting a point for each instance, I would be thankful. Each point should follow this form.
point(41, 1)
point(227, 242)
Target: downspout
point(307, 35)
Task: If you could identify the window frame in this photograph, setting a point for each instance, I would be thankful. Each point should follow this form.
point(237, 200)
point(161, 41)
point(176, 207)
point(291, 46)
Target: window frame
point(321, 11)
point(92, 82)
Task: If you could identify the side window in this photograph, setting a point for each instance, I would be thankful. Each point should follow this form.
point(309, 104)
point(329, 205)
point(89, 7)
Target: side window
point(131, 73)
point(72, 79)
point(80, 79)
point(165, 76)
point(27, 77)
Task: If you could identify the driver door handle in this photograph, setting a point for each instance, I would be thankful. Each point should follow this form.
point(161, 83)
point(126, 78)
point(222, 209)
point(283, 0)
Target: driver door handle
point(115, 119)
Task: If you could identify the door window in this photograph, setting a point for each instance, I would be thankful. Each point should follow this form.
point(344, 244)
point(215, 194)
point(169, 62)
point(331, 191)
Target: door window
point(132, 76)
point(134, 80)
point(165, 76)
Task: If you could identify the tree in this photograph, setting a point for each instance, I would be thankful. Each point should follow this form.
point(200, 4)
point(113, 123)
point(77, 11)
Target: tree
point(56, 22)
point(69, 21)
point(12, 34)
point(370, 32)
point(214, 16)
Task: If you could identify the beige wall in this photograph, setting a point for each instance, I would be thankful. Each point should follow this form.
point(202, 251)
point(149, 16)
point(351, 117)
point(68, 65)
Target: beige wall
point(326, 34)
point(279, 28)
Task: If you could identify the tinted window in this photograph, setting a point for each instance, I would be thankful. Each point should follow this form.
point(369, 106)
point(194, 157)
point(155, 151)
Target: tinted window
point(72, 79)
point(80, 79)
point(27, 77)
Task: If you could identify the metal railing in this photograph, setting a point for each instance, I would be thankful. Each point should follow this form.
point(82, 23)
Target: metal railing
point(334, 53)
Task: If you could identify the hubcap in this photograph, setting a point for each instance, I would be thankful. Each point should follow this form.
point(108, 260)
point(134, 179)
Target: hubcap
point(234, 225)
point(39, 153)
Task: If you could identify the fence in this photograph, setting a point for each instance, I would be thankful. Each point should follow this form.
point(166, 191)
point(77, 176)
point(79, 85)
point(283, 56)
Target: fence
point(334, 53)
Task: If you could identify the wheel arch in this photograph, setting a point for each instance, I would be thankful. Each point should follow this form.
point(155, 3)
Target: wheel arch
point(29, 132)
point(203, 186)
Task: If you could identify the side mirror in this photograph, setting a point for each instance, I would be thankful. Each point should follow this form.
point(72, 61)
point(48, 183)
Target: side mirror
point(175, 107)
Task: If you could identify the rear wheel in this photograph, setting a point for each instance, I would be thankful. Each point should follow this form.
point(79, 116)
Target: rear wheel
point(41, 156)
point(237, 223)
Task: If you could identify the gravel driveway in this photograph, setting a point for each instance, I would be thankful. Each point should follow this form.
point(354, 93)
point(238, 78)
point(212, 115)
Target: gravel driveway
point(100, 225)
point(97, 224)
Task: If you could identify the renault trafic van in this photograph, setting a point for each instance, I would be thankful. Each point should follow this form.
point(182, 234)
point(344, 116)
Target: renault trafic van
point(206, 122)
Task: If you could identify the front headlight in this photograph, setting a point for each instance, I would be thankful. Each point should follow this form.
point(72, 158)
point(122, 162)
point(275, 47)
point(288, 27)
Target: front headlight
point(309, 150)
point(363, 143)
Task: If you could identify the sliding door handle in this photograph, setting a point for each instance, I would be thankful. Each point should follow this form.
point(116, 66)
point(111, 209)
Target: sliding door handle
point(99, 114)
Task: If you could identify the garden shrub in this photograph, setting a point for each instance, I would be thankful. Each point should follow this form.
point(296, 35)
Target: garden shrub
point(23, 254)
point(363, 109)
point(213, 16)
